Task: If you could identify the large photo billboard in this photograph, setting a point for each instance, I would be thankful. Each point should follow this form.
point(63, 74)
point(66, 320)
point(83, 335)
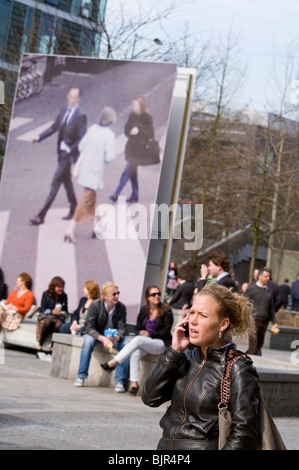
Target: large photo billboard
point(84, 133)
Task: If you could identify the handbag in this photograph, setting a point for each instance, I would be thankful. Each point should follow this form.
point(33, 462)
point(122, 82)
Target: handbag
point(269, 436)
point(151, 154)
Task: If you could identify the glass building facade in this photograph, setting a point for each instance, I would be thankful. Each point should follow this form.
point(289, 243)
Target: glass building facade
point(67, 27)
point(50, 26)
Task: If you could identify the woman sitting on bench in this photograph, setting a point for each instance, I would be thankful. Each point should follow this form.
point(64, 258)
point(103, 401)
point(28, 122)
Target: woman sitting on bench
point(19, 302)
point(53, 311)
point(153, 331)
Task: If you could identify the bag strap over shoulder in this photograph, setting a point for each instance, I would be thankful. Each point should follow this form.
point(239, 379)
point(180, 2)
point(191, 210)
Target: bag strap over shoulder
point(233, 356)
point(269, 436)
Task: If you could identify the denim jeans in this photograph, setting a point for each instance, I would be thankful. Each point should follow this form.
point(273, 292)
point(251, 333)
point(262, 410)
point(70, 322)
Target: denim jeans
point(65, 328)
point(89, 344)
point(129, 173)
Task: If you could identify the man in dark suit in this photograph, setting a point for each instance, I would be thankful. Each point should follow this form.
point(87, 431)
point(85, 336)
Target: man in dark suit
point(183, 294)
point(219, 270)
point(71, 127)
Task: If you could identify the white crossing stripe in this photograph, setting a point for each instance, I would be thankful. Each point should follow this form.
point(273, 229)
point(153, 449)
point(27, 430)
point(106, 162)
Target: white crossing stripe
point(4, 217)
point(34, 132)
point(127, 262)
point(17, 122)
point(55, 257)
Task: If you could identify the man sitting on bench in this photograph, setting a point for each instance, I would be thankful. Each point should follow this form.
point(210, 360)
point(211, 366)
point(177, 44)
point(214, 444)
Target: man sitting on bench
point(104, 314)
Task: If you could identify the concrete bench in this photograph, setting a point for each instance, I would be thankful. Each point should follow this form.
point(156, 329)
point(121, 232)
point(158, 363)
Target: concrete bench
point(25, 336)
point(66, 358)
point(279, 383)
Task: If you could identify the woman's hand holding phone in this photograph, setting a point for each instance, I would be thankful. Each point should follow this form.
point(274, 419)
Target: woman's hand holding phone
point(180, 338)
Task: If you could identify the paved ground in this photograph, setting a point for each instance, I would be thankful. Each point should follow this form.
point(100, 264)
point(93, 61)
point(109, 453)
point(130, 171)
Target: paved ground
point(41, 412)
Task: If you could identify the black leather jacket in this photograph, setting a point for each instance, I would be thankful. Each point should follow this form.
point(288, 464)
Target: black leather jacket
point(193, 386)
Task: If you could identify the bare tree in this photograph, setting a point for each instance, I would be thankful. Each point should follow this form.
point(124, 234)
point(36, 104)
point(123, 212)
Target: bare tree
point(281, 77)
point(139, 34)
point(207, 162)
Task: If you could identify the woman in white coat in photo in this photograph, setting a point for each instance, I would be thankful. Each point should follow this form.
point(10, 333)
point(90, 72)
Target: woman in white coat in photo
point(96, 148)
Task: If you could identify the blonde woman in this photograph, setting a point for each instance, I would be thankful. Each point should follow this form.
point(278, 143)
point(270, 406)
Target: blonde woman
point(97, 148)
point(189, 374)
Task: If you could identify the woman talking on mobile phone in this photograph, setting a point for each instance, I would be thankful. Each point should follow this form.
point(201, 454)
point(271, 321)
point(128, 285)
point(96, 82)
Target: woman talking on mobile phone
point(190, 371)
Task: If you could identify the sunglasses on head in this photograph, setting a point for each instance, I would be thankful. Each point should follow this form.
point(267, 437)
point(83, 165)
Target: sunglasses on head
point(154, 294)
point(115, 294)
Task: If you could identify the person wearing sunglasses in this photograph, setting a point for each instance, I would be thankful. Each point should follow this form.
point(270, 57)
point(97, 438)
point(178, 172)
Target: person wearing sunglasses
point(153, 330)
point(103, 315)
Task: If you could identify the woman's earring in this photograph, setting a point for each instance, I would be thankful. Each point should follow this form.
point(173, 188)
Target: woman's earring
point(220, 334)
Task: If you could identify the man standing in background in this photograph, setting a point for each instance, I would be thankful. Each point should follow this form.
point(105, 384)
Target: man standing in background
point(219, 269)
point(183, 294)
point(285, 292)
point(274, 288)
point(295, 295)
point(262, 299)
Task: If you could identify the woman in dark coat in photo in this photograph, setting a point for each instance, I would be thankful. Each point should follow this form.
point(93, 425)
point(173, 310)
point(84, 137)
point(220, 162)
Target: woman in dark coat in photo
point(139, 130)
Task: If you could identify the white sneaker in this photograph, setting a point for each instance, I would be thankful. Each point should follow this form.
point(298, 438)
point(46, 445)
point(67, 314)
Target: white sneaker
point(119, 388)
point(79, 382)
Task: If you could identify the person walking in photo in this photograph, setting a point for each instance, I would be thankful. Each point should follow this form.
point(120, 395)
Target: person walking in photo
point(262, 299)
point(71, 127)
point(104, 314)
point(96, 148)
point(189, 375)
point(219, 269)
point(140, 130)
point(153, 330)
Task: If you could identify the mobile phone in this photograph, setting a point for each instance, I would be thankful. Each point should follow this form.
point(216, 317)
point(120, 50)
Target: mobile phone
point(186, 326)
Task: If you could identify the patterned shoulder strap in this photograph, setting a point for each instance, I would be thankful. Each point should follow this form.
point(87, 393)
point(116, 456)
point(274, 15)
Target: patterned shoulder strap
point(233, 356)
